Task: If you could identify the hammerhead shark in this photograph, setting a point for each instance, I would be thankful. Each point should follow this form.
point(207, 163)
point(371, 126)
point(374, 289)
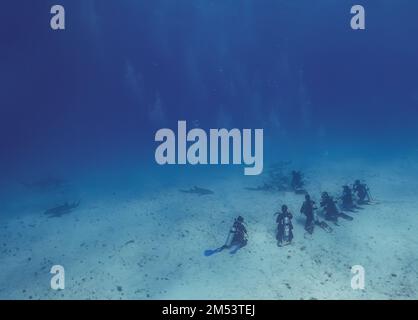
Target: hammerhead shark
point(198, 191)
point(61, 210)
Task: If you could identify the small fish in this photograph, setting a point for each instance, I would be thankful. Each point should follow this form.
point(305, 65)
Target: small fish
point(59, 211)
point(198, 191)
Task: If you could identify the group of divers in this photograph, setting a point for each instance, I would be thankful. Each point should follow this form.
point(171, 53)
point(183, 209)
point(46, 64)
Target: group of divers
point(352, 198)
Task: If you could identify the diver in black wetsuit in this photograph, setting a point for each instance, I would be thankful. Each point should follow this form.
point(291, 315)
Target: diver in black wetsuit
point(297, 182)
point(237, 238)
point(308, 208)
point(362, 192)
point(347, 199)
point(284, 234)
point(329, 206)
point(238, 234)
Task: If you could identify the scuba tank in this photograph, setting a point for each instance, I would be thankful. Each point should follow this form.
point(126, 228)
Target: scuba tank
point(286, 221)
point(286, 234)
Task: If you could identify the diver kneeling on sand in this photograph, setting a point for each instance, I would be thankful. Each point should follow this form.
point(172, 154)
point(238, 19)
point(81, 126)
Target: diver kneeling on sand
point(308, 209)
point(347, 200)
point(362, 191)
point(237, 238)
point(331, 211)
point(297, 183)
point(329, 207)
point(284, 233)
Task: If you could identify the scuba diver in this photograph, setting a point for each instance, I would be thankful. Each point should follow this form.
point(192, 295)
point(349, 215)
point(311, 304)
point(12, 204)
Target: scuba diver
point(330, 208)
point(237, 235)
point(362, 192)
point(308, 208)
point(284, 233)
point(237, 238)
point(297, 182)
point(347, 201)
point(331, 211)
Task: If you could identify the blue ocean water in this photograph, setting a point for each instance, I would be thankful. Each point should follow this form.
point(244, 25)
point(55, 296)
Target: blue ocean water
point(122, 69)
point(85, 103)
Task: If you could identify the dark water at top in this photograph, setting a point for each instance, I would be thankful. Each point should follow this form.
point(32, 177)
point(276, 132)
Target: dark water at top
point(98, 91)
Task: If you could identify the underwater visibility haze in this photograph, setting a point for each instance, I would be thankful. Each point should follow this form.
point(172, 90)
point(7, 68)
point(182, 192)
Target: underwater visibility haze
point(80, 182)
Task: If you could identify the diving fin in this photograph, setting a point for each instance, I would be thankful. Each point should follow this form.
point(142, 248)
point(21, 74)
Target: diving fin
point(345, 216)
point(323, 225)
point(209, 252)
point(283, 244)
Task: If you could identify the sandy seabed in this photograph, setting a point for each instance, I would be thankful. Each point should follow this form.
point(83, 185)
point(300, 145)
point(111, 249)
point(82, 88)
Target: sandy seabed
point(150, 246)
